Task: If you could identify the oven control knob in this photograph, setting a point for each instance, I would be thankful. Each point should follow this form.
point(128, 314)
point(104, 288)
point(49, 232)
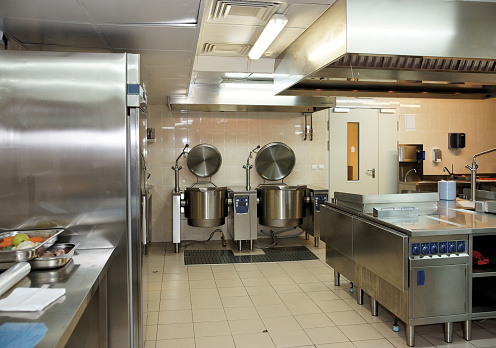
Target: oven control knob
point(425, 248)
point(460, 246)
point(434, 248)
point(452, 247)
point(415, 249)
point(443, 247)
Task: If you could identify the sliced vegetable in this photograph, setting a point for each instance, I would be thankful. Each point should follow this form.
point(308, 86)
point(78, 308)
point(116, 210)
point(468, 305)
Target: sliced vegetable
point(37, 239)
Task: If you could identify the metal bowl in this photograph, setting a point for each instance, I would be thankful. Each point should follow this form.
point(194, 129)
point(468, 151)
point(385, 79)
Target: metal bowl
point(275, 161)
point(204, 160)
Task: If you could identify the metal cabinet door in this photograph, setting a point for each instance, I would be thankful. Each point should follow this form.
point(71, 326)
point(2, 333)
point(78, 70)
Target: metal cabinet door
point(439, 290)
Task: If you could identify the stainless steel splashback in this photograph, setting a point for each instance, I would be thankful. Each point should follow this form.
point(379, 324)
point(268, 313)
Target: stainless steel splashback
point(63, 142)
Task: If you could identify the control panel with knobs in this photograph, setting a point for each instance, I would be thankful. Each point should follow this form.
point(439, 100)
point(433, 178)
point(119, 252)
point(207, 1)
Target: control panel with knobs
point(438, 248)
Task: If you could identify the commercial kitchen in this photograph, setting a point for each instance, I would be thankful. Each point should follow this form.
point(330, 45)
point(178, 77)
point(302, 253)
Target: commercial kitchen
point(248, 173)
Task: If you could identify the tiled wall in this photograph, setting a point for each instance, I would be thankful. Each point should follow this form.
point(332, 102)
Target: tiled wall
point(436, 118)
point(234, 134)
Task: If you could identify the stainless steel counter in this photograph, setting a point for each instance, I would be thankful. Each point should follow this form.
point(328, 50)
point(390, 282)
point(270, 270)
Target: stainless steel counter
point(81, 278)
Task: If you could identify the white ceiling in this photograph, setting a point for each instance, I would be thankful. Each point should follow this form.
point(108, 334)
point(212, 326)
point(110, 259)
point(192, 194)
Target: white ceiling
point(170, 35)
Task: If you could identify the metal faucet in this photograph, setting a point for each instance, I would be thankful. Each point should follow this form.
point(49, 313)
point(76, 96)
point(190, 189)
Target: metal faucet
point(176, 168)
point(473, 172)
point(411, 170)
point(248, 167)
point(451, 174)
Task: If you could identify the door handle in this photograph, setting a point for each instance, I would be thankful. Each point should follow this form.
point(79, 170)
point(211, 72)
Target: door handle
point(371, 171)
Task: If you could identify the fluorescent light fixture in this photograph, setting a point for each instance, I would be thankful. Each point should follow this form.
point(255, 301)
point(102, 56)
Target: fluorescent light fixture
point(270, 32)
point(236, 75)
point(250, 85)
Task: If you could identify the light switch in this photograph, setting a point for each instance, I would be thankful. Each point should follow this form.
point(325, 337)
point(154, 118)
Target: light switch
point(314, 167)
point(321, 167)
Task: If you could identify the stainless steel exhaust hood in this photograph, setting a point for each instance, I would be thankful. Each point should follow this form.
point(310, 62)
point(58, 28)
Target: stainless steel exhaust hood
point(391, 48)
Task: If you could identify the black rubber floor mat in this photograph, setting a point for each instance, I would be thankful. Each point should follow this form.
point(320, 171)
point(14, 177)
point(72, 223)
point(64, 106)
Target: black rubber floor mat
point(276, 254)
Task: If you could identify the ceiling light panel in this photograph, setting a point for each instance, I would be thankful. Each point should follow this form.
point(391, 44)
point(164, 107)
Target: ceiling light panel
point(261, 11)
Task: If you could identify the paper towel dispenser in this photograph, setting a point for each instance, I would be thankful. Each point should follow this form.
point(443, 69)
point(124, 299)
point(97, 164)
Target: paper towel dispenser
point(456, 140)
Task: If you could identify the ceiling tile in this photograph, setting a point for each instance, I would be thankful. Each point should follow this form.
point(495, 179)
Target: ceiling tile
point(229, 34)
point(53, 33)
point(150, 37)
point(163, 58)
point(167, 72)
point(67, 10)
point(302, 16)
point(159, 86)
point(150, 11)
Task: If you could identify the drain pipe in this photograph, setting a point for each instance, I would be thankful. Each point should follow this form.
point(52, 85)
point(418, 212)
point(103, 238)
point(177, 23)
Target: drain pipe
point(473, 172)
point(248, 167)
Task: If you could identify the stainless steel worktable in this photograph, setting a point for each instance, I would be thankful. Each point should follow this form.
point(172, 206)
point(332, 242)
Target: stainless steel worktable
point(81, 278)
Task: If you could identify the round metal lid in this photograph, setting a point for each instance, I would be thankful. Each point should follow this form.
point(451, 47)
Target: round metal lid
point(275, 161)
point(204, 160)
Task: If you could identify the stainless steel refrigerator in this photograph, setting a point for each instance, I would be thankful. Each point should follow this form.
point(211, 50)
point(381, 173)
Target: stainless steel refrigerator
point(70, 156)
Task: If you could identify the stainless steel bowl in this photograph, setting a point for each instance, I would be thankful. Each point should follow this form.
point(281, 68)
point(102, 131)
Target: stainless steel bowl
point(204, 160)
point(206, 206)
point(281, 205)
point(275, 161)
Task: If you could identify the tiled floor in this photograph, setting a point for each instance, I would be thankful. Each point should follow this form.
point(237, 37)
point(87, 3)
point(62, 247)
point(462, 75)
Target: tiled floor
point(286, 304)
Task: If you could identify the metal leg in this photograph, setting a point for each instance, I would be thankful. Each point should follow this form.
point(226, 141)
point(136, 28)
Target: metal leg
point(251, 244)
point(306, 236)
point(336, 278)
point(240, 245)
point(410, 335)
point(177, 247)
point(317, 239)
point(374, 307)
point(360, 296)
point(467, 330)
point(448, 332)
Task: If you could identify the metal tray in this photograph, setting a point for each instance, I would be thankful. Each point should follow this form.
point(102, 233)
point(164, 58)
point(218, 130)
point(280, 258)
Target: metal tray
point(28, 254)
point(56, 261)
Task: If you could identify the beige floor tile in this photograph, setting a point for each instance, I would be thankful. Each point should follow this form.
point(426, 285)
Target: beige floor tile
point(246, 267)
point(176, 343)
point(255, 282)
point(275, 310)
point(209, 314)
point(150, 332)
point(201, 276)
point(303, 308)
point(215, 342)
point(233, 291)
point(321, 335)
point(308, 321)
point(174, 276)
point(223, 268)
point(304, 278)
point(311, 287)
point(228, 283)
point(400, 342)
point(171, 331)
point(154, 286)
point(151, 344)
point(269, 266)
point(259, 340)
point(239, 313)
point(175, 285)
point(236, 301)
point(199, 269)
point(336, 345)
point(250, 274)
point(326, 295)
point(153, 305)
point(281, 324)
point(295, 338)
point(380, 343)
point(296, 297)
point(206, 302)
point(202, 284)
point(245, 326)
point(286, 288)
point(386, 330)
point(175, 317)
point(204, 293)
point(261, 300)
point(334, 306)
point(211, 328)
point(226, 275)
point(346, 318)
point(152, 318)
point(259, 290)
point(281, 281)
point(360, 332)
point(168, 294)
point(174, 305)
point(154, 295)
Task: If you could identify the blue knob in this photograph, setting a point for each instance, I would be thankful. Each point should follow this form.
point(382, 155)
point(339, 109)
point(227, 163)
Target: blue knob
point(460, 246)
point(443, 247)
point(434, 248)
point(425, 248)
point(415, 249)
point(452, 247)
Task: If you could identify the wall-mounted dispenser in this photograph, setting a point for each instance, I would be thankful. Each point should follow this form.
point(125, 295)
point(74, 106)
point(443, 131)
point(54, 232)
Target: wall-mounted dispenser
point(456, 140)
point(437, 155)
